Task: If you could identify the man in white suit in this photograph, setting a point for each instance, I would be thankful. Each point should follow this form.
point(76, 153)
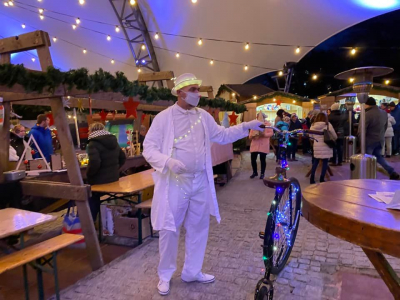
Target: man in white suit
point(177, 146)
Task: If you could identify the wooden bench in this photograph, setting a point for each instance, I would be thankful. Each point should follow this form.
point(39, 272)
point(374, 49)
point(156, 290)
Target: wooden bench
point(35, 255)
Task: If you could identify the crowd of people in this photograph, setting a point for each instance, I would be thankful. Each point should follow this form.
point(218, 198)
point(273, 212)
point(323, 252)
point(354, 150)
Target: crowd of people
point(382, 136)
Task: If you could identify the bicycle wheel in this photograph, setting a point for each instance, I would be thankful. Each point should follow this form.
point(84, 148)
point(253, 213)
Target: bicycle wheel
point(281, 227)
point(264, 291)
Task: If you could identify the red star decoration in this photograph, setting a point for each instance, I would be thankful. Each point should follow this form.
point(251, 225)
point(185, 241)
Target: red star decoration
point(103, 115)
point(232, 118)
point(143, 117)
point(278, 102)
point(131, 107)
point(50, 116)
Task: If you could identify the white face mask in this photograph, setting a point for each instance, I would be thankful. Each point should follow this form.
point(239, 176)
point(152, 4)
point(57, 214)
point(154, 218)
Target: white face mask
point(192, 98)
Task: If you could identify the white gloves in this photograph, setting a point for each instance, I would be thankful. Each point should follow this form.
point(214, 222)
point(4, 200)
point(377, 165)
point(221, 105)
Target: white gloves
point(176, 166)
point(255, 125)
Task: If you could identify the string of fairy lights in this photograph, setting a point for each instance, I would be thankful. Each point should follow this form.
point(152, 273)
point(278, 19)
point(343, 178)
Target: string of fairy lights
point(77, 23)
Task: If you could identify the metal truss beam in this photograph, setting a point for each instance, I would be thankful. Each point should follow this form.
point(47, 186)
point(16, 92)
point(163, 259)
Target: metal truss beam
point(135, 31)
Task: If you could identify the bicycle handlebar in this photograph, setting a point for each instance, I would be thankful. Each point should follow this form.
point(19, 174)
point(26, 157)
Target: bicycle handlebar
point(297, 131)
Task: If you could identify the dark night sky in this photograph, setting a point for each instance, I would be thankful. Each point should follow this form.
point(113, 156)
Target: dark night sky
point(378, 44)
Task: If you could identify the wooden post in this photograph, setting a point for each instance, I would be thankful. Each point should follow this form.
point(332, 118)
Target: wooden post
point(74, 172)
point(5, 129)
point(137, 124)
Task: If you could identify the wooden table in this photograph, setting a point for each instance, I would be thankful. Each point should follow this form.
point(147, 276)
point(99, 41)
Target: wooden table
point(344, 209)
point(127, 186)
point(17, 221)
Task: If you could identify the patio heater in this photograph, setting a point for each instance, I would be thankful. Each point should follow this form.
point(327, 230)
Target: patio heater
point(363, 166)
point(350, 141)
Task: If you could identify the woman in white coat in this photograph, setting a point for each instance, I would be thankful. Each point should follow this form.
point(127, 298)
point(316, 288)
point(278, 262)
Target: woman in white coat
point(177, 146)
point(321, 150)
point(389, 134)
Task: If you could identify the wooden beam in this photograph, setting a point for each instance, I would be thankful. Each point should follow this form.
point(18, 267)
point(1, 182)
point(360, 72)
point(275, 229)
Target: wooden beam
point(5, 58)
point(156, 76)
point(75, 177)
point(24, 42)
point(5, 141)
point(49, 189)
point(206, 89)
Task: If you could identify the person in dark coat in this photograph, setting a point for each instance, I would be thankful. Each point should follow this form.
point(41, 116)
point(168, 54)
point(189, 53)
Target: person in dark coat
point(105, 159)
point(293, 125)
point(340, 123)
point(42, 134)
point(395, 112)
point(375, 127)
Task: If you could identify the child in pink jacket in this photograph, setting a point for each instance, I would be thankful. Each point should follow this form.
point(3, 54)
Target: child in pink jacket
point(260, 145)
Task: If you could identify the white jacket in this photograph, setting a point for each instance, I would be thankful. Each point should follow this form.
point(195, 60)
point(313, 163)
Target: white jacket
point(389, 130)
point(157, 148)
point(322, 150)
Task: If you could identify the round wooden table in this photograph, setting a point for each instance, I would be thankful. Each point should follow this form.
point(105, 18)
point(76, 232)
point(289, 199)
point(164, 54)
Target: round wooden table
point(344, 209)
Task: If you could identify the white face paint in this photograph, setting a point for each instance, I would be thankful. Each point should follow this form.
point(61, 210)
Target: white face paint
point(192, 98)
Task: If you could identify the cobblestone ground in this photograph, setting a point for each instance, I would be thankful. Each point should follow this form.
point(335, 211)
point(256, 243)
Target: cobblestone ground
point(234, 253)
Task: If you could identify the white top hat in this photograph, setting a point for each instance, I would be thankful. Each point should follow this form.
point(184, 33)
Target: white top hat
point(184, 80)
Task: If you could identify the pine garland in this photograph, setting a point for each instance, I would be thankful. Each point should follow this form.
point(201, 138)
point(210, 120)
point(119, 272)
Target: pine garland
point(92, 83)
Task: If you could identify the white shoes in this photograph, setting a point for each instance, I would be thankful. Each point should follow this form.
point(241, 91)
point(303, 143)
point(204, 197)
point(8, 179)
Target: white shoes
point(201, 278)
point(163, 287)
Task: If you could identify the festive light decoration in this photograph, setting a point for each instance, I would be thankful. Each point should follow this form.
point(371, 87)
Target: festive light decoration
point(143, 47)
point(274, 100)
point(132, 2)
point(54, 39)
point(156, 36)
point(280, 73)
point(5, 4)
point(200, 42)
point(103, 115)
point(81, 2)
point(23, 26)
point(177, 140)
point(177, 55)
point(33, 59)
point(255, 97)
point(294, 101)
point(315, 77)
point(353, 51)
point(41, 10)
point(387, 82)
point(297, 50)
point(117, 28)
point(131, 107)
point(247, 47)
point(112, 61)
point(73, 26)
point(233, 119)
point(139, 70)
point(246, 67)
point(84, 51)
point(10, 3)
point(194, 1)
point(78, 21)
point(41, 17)
point(108, 38)
point(233, 94)
point(211, 62)
point(351, 79)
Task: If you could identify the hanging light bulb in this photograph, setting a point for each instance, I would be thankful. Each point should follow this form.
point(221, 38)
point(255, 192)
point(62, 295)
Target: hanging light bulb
point(6, 4)
point(254, 97)
point(177, 55)
point(280, 73)
point(41, 10)
point(297, 50)
point(194, 1)
point(246, 67)
point(10, 3)
point(84, 51)
point(233, 94)
point(211, 62)
point(112, 61)
point(108, 38)
point(156, 36)
point(294, 101)
point(33, 59)
point(132, 2)
point(78, 21)
point(73, 26)
point(387, 82)
point(39, 0)
point(200, 42)
point(139, 70)
point(54, 39)
point(351, 79)
point(81, 2)
point(315, 77)
point(143, 47)
point(117, 28)
point(41, 17)
point(23, 25)
point(247, 47)
point(274, 100)
point(353, 51)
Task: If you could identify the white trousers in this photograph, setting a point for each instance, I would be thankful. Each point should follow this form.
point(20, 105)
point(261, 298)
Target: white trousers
point(388, 143)
point(189, 196)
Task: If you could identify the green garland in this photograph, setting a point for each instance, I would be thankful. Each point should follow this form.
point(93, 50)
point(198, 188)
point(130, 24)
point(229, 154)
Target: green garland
point(279, 94)
point(92, 83)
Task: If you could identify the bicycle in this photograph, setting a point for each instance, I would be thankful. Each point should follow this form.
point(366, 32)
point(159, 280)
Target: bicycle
point(283, 217)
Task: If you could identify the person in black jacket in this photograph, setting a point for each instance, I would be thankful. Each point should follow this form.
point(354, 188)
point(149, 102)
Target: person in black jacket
point(105, 159)
point(293, 125)
point(340, 123)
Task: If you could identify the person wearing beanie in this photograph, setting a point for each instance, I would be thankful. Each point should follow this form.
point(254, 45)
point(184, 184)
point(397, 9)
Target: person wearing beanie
point(395, 112)
point(376, 122)
point(341, 126)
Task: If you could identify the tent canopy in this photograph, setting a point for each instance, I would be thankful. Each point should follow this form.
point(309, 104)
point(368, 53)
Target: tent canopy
point(295, 23)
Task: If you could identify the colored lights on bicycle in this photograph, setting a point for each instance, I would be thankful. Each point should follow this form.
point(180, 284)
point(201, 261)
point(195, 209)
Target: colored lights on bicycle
point(276, 236)
point(265, 258)
point(275, 248)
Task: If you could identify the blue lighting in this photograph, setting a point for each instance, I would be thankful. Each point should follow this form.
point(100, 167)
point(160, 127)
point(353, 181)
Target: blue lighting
point(378, 4)
point(143, 61)
point(276, 236)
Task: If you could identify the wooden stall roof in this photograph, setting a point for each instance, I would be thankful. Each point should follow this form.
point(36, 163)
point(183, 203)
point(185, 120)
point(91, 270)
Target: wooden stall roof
point(377, 89)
